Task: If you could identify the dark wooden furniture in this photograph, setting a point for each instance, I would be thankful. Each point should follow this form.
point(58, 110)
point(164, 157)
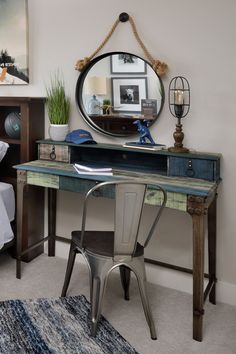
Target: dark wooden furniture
point(22, 150)
point(190, 179)
point(115, 123)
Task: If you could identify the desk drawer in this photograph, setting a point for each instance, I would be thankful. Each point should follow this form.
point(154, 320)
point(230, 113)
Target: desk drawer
point(60, 153)
point(82, 186)
point(195, 168)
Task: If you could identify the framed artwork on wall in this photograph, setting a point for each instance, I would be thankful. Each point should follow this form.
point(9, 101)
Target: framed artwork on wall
point(124, 63)
point(14, 68)
point(127, 93)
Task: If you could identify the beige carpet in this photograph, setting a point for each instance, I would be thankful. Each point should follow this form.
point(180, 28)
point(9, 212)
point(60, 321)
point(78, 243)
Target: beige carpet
point(172, 309)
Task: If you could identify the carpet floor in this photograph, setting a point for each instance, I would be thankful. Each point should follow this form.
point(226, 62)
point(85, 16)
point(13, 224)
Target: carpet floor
point(46, 326)
point(172, 309)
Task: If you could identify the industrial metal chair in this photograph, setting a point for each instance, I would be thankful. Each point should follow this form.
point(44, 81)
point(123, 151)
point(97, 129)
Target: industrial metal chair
point(106, 250)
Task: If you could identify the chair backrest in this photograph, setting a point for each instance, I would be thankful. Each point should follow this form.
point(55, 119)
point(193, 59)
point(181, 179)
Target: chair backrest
point(129, 201)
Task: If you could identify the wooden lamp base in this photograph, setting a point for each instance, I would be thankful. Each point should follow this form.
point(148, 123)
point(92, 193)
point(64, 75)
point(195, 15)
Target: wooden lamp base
point(179, 137)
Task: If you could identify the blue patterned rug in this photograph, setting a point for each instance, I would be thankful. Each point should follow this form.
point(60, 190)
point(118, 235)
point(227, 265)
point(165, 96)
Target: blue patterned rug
point(58, 326)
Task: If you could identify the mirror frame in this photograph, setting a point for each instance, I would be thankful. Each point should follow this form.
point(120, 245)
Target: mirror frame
point(79, 90)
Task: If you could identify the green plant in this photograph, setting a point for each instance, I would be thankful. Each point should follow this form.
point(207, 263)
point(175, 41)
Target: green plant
point(106, 106)
point(106, 102)
point(57, 103)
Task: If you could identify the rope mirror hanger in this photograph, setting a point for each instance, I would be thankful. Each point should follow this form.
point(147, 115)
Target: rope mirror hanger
point(159, 67)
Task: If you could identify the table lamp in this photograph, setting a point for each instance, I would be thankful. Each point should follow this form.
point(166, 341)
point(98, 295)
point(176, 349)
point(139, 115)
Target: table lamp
point(179, 104)
point(95, 86)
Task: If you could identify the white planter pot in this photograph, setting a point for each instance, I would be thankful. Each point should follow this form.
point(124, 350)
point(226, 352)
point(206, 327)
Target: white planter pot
point(57, 132)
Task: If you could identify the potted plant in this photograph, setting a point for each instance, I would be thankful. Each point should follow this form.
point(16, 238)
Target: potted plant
point(58, 108)
point(106, 106)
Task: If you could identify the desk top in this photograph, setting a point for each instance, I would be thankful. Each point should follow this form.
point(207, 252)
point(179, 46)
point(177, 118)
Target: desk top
point(184, 185)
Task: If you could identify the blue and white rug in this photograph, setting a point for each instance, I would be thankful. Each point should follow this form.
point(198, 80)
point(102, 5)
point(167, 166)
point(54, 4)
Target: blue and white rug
point(58, 326)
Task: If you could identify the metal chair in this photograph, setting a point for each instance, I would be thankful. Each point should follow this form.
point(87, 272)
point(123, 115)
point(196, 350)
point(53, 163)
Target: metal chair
point(106, 250)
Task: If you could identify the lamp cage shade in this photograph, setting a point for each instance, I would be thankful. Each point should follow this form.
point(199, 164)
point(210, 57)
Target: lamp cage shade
point(179, 96)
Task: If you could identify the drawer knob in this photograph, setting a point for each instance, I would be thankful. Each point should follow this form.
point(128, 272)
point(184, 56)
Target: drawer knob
point(190, 171)
point(53, 154)
point(97, 193)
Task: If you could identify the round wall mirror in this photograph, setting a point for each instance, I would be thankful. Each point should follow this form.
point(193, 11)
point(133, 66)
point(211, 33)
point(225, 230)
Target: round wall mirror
point(115, 90)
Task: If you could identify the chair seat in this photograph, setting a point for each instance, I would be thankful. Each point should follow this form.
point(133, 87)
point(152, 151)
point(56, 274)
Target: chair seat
point(101, 242)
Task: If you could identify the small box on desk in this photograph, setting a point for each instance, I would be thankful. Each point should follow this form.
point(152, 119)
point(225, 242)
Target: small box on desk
point(149, 108)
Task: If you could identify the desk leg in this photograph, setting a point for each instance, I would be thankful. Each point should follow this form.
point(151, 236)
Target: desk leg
point(197, 210)
point(21, 183)
point(52, 205)
point(212, 249)
point(198, 275)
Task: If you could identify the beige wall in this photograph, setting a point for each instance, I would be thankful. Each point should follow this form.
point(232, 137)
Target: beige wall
point(197, 40)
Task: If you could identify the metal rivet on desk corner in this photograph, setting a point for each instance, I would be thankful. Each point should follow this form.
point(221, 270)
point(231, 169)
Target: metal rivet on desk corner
point(199, 200)
point(190, 210)
point(198, 211)
point(191, 198)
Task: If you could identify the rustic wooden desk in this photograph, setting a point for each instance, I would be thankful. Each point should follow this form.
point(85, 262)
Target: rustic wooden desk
point(195, 196)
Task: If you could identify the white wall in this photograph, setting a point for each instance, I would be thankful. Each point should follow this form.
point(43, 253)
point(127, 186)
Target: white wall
point(197, 40)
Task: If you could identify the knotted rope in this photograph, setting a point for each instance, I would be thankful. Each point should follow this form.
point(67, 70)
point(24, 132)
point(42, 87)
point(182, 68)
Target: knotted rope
point(159, 67)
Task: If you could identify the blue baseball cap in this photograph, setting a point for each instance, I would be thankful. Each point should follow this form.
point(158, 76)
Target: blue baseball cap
point(80, 136)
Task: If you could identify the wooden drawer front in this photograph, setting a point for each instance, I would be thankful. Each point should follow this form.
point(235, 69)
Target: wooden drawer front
point(75, 185)
point(195, 168)
point(43, 179)
point(52, 152)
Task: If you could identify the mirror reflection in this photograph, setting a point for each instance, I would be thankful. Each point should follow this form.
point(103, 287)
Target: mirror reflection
point(115, 90)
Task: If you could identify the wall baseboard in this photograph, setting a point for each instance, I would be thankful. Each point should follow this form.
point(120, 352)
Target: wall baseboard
point(169, 278)
point(225, 292)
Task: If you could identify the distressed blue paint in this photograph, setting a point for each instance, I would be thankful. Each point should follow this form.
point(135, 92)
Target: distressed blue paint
point(200, 168)
point(70, 180)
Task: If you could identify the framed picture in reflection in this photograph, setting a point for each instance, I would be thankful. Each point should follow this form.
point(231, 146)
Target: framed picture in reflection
point(124, 63)
point(127, 93)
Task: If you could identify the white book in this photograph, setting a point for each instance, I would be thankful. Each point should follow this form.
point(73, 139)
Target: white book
point(86, 170)
point(145, 146)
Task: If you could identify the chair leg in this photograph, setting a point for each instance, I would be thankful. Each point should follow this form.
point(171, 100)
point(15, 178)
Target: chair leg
point(139, 270)
point(98, 289)
point(70, 265)
point(99, 270)
point(125, 280)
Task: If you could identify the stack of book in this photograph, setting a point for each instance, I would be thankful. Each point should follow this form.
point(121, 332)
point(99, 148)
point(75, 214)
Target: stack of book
point(86, 170)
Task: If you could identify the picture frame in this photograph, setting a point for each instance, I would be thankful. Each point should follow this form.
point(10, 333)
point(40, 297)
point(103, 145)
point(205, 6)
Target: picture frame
point(149, 108)
point(127, 93)
point(14, 66)
point(125, 63)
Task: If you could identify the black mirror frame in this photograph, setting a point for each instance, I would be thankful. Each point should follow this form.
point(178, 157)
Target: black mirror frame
point(79, 88)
